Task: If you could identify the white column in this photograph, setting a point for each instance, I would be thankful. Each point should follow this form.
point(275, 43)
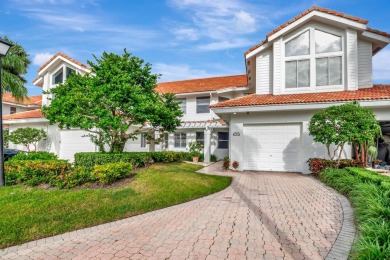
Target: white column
point(207, 145)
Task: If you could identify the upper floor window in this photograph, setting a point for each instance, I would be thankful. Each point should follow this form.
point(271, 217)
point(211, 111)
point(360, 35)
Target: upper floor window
point(12, 110)
point(69, 72)
point(202, 105)
point(323, 60)
point(183, 104)
point(58, 77)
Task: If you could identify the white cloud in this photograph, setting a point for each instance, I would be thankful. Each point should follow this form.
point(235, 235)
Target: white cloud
point(224, 45)
point(40, 58)
point(172, 72)
point(190, 34)
point(381, 66)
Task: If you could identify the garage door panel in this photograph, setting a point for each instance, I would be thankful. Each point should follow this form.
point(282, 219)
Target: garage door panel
point(271, 147)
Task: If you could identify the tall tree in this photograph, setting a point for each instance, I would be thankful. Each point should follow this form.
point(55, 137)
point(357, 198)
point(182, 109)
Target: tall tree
point(14, 66)
point(115, 102)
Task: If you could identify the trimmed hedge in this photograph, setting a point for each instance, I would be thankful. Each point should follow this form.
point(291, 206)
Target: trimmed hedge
point(137, 159)
point(110, 172)
point(317, 165)
point(34, 156)
point(34, 172)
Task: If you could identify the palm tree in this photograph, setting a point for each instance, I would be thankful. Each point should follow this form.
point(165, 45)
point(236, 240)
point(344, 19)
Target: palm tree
point(14, 66)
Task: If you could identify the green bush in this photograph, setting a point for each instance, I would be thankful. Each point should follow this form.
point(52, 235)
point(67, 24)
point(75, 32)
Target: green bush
point(110, 172)
point(74, 177)
point(369, 194)
point(213, 158)
point(137, 159)
point(317, 165)
point(34, 156)
point(34, 172)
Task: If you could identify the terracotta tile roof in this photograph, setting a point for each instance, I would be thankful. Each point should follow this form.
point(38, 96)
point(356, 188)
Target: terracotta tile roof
point(36, 113)
point(320, 9)
point(377, 92)
point(378, 32)
point(63, 56)
point(202, 85)
point(32, 100)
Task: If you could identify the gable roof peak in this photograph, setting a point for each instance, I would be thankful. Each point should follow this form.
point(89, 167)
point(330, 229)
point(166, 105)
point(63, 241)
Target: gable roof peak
point(60, 54)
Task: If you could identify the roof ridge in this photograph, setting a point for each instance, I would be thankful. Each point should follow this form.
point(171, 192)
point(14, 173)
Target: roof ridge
point(65, 57)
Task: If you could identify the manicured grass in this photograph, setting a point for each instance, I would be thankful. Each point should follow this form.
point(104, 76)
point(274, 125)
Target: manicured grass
point(369, 194)
point(31, 213)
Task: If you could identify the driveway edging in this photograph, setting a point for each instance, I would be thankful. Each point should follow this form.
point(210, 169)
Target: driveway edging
point(345, 239)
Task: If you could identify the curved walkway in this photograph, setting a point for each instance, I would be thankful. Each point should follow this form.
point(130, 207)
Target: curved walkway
point(260, 216)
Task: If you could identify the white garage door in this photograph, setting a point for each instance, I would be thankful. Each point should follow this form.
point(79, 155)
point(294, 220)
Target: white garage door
point(273, 147)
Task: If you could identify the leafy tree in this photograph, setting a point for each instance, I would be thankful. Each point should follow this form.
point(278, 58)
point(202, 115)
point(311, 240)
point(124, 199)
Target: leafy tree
point(349, 123)
point(115, 102)
point(27, 136)
point(14, 66)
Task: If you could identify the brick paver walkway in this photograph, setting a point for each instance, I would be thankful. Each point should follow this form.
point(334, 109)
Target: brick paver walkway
point(260, 216)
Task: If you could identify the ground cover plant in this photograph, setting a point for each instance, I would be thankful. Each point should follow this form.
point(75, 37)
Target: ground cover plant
point(369, 194)
point(33, 213)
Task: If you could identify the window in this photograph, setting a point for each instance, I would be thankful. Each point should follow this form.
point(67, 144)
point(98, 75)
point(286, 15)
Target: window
point(200, 137)
point(223, 140)
point(202, 105)
point(12, 110)
point(143, 140)
point(221, 99)
point(300, 45)
point(183, 104)
point(324, 59)
point(328, 71)
point(166, 139)
point(180, 140)
point(69, 71)
point(326, 42)
point(58, 77)
point(297, 73)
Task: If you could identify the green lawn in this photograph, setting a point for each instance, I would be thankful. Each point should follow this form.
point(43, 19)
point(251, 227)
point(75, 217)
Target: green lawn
point(31, 213)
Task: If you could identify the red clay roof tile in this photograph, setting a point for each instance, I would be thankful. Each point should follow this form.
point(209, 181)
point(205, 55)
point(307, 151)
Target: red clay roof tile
point(202, 85)
point(32, 100)
point(36, 113)
point(320, 9)
point(64, 56)
point(377, 92)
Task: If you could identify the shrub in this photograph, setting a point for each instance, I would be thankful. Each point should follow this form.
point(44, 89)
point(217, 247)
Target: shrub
point(226, 163)
point(137, 159)
point(317, 165)
point(74, 177)
point(213, 158)
point(110, 172)
point(34, 172)
point(369, 194)
point(235, 165)
point(34, 156)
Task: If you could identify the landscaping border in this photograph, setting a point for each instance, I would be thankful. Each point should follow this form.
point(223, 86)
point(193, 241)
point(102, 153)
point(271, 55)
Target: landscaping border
point(346, 237)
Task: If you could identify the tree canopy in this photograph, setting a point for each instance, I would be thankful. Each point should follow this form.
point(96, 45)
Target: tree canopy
point(14, 66)
point(115, 102)
point(349, 123)
point(27, 136)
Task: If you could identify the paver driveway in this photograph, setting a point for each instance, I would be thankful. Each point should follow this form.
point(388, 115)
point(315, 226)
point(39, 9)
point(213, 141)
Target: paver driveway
point(260, 216)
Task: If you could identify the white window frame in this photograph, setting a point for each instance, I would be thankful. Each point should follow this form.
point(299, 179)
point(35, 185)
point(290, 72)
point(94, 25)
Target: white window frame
point(56, 73)
point(181, 140)
point(143, 140)
point(184, 104)
point(219, 141)
point(312, 57)
point(208, 105)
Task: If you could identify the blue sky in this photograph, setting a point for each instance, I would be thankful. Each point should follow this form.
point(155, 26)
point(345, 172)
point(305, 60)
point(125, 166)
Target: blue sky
point(183, 39)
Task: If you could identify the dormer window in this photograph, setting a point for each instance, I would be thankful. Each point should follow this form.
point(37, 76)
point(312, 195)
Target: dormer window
point(58, 77)
point(313, 58)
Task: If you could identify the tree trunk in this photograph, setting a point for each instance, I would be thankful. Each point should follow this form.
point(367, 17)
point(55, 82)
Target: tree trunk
point(339, 156)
